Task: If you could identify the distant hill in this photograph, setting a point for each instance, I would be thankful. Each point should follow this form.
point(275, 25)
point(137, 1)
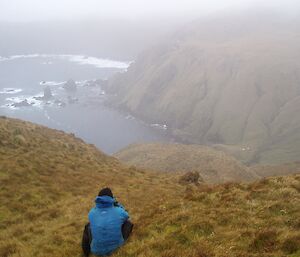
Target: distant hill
point(276, 170)
point(214, 166)
point(232, 82)
point(49, 180)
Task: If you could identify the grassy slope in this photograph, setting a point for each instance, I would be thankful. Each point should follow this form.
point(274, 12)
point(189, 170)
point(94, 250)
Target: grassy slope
point(48, 183)
point(214, 166)
point(49, 179)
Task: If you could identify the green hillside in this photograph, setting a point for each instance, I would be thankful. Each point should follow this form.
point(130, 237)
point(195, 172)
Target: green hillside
point(231, 81)
point(49, 180)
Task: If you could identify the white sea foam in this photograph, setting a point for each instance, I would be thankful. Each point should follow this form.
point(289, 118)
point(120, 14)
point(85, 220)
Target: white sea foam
point(30, 99)
point(159, 126)
point(10, 90)
point(129, 117)
point(12, 101)
point(79, 59)
point(99, 63)
point(9, 106)
point(79, 83)
point(52, 83)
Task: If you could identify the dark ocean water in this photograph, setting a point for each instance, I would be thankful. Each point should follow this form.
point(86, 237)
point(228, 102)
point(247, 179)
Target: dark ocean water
point(82, 112)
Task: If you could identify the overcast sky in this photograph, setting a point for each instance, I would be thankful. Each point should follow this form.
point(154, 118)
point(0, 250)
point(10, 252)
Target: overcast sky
point(28, 10)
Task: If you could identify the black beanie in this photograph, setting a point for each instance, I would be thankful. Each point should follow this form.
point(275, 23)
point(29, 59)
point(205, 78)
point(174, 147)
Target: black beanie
point(106, 191)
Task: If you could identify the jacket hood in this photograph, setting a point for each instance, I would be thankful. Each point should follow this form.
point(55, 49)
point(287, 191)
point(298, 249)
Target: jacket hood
point(104, 201)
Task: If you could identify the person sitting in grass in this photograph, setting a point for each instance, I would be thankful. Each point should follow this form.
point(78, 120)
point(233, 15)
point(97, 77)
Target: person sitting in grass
point(108, 228)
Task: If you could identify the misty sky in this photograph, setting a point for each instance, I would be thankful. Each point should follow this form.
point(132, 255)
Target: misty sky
point(28, 10)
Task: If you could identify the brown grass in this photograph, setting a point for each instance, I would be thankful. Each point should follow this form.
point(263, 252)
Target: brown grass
point(49, 180)
point(214, 166)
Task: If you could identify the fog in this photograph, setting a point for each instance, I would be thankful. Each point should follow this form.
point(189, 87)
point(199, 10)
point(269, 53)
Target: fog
point(110, 29)
point(44, 44)
point(30, 10)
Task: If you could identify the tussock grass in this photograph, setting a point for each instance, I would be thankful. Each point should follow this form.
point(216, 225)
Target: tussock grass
point(49, 180)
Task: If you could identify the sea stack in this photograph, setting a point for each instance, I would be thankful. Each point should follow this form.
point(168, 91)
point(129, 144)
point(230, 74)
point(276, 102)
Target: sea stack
point(70, 86)
point(47, 93)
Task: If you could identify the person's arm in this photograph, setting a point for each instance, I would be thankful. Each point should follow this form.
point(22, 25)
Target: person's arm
point(117, 204)
point(123, 213)
point(126, 223)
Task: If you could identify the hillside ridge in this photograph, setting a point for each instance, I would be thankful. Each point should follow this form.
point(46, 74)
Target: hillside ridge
point(213, 165)
point(231, 82)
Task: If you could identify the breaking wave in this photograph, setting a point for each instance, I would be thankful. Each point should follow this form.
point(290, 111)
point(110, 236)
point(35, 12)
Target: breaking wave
point(79, 59)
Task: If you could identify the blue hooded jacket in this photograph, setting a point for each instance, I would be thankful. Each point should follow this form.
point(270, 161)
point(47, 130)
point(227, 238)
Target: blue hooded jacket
point(106, 225)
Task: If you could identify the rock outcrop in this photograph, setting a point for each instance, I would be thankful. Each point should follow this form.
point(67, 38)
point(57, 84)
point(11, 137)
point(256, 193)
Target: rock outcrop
point(70, 86)
point(23, 103)
point(47, 93)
